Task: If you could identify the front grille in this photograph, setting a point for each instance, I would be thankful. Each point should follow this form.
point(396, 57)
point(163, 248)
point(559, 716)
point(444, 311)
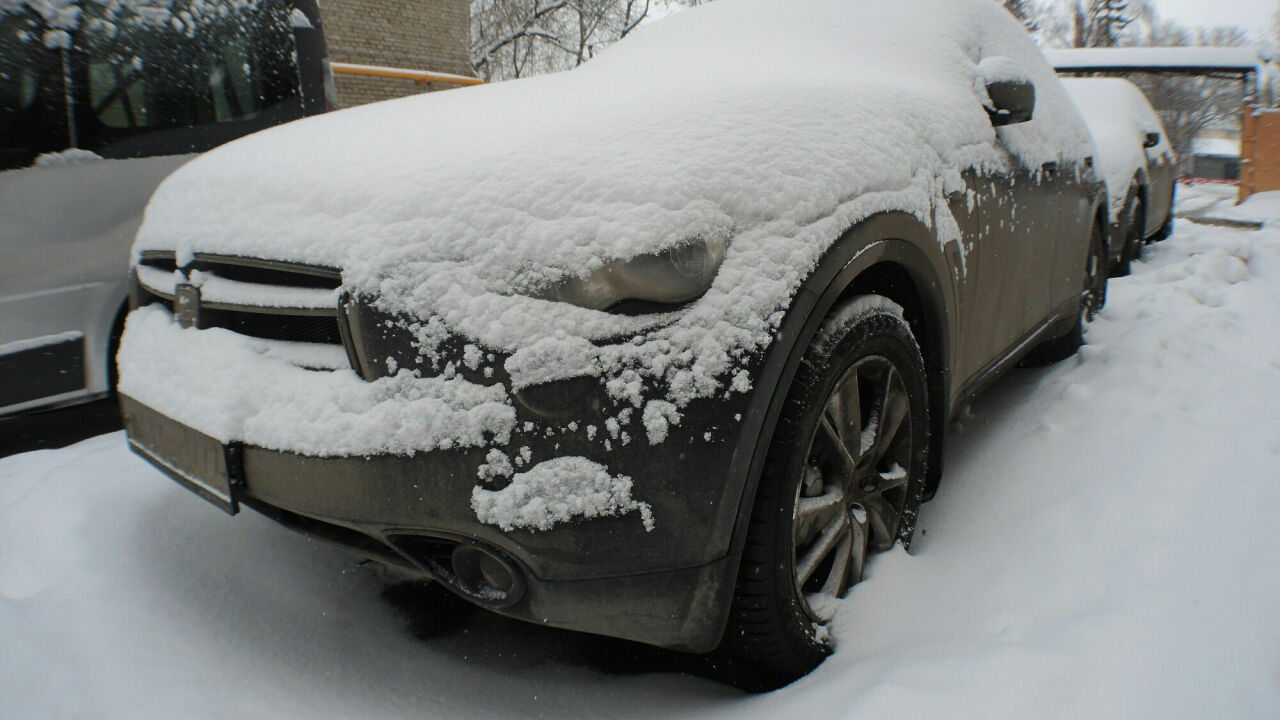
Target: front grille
point(158, 259)
point(272, 326)
point(313, 320)
point(267, 272)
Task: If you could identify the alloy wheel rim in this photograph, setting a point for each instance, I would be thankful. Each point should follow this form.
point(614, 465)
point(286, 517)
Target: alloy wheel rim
point(849, 500)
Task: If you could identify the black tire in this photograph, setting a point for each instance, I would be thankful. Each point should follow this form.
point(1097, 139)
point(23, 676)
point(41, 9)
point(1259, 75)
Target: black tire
point(1135, 213)
point(1165, 230)
point(1092, 300)
point(113, 348)
point(772, 629)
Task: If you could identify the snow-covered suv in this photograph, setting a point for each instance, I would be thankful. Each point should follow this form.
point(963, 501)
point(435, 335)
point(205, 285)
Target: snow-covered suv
point(660, 348)
point(1134, 158)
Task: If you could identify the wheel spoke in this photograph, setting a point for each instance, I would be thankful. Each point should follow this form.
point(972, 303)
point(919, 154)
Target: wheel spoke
point(833, 443)
point(896, 407)
point(882, 521)
point(835, 583)
point(845, 407)
point(836, 530)
point(861, 541)
point(816, 513)
point(895, 477)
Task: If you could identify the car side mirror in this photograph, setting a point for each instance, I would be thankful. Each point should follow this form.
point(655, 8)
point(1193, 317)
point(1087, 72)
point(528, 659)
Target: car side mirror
point(1011, 95)
point(1012, 102)
point(1152, 140)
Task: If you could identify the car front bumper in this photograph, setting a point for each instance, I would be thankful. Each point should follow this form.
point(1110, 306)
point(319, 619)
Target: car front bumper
point(605, 575)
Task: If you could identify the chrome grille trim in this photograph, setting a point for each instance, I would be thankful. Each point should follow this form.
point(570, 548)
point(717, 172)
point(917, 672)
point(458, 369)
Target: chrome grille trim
point(304, 321)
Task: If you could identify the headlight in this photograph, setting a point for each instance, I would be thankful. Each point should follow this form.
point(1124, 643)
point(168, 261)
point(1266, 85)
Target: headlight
point(669, 277)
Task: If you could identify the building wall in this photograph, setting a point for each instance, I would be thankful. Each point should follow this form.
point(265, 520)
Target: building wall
point(432, 35)
point(1260, 151)
point(1214, 167)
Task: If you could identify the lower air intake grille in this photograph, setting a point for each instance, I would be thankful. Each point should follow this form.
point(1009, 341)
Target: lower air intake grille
point(273, 326)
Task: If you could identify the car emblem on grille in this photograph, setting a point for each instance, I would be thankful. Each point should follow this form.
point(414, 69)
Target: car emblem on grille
point(186, 305)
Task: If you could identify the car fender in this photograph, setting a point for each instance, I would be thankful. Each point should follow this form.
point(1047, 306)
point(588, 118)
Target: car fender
point(891, 237)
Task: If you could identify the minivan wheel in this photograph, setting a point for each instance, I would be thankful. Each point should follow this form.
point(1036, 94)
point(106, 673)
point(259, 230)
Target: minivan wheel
point(844, 477)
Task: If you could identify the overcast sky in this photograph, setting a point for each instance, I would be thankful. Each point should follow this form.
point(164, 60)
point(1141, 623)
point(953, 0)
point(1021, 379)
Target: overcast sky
point(1254, 15)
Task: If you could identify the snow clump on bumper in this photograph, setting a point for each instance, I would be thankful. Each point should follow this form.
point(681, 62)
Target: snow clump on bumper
point(557, 491)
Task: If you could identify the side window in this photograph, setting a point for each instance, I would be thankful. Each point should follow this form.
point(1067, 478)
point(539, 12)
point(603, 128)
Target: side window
point(30, 94)
point(213, 70)
point(117, 93)
point(149, 77)
point(234, 81)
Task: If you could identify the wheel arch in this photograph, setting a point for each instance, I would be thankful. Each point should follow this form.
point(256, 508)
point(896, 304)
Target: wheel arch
point(1142, 182)
point(1139, 189)
point(892, 254)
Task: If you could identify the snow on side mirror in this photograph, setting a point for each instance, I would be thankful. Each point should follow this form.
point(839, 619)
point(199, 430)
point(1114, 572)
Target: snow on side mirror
point(1011, 95)
point(1152, 139)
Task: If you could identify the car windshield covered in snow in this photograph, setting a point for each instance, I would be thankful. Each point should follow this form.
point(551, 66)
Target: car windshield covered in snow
point(554, 361)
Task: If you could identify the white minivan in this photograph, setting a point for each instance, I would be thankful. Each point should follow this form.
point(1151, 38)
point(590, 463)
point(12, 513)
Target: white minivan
point(99, 102)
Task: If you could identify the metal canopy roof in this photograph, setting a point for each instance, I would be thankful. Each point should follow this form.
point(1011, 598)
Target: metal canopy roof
point(1238, 61)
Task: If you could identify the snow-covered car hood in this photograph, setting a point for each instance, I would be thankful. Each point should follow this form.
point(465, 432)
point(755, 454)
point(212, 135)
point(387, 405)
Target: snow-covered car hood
point(776, 126)
point(1119, 117)
point(726, 120)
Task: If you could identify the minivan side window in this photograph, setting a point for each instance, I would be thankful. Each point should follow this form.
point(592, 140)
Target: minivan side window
point(32, 106)
point(168, 88)
point(134, 80)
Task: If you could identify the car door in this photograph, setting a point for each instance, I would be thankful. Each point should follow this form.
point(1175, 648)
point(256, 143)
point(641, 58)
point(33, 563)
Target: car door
point(1037, 192)
point(1008, 217)
point(1161, 176)
point(1076, 191)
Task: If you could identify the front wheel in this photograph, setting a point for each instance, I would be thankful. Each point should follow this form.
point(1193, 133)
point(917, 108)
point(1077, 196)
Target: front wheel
point(844, 477)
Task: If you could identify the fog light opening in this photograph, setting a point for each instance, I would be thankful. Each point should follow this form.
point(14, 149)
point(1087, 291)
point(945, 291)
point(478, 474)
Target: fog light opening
point(486, 577)
point(561, 399)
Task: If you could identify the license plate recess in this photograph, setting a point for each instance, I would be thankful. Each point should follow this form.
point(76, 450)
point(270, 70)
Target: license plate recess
point(206, 466)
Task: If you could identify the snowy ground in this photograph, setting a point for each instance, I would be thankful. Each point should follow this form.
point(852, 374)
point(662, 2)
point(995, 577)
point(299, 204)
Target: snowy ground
point(1105, 544)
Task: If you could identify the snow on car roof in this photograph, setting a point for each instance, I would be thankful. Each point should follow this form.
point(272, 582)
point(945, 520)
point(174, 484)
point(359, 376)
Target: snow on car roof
point(1191, 59)
point(1119, 116)
point(775, 125)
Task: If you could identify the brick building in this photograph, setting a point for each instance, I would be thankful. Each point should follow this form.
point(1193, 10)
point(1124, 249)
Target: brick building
point(432, 35)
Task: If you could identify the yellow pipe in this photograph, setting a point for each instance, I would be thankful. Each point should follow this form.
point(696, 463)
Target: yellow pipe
point(421, 76)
